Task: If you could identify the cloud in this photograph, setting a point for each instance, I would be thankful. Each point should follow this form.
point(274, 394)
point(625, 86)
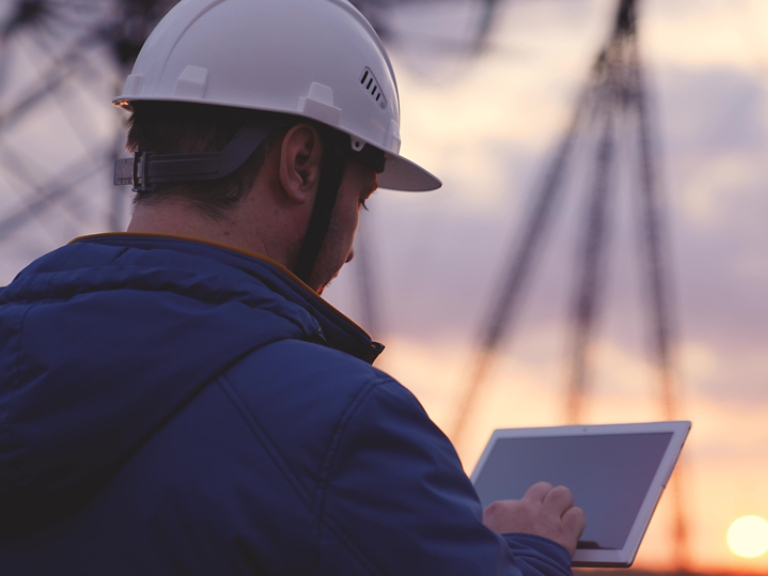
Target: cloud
point(715, 186)
point(716, 110)
point(701, 34)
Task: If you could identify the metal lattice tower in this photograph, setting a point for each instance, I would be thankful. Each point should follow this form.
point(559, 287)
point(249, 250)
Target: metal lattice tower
point(64, 60)
point(612, 103)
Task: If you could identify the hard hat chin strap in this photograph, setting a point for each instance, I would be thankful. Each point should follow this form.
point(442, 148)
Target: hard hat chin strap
point(332, 167)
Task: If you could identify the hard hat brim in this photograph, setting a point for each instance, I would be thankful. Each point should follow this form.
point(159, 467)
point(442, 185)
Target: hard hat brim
point(403, 174)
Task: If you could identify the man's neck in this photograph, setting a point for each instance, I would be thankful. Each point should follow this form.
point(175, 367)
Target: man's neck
point(180, 218)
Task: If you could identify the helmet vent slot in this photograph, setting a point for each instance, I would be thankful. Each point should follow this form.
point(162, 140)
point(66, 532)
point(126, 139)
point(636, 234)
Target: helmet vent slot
point(369, 83)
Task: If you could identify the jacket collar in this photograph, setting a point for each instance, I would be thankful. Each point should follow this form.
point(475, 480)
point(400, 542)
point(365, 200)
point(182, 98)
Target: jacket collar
point(335, 329)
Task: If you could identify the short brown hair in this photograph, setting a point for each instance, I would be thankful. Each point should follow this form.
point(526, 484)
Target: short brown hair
point(187, 128)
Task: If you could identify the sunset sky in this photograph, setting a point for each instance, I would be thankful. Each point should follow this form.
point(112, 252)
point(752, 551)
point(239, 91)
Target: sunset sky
point(487, 126)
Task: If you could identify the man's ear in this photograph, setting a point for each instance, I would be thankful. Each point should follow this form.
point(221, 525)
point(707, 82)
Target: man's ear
point(300, 160)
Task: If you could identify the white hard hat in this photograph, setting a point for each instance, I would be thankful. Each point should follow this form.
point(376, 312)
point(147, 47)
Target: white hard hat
point(319, 59)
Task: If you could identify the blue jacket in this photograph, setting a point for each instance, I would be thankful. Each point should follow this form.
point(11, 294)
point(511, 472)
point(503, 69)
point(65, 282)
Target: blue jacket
point(169, 406)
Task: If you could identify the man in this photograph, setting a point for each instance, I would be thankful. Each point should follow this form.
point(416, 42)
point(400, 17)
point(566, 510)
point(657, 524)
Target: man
point(178, 399)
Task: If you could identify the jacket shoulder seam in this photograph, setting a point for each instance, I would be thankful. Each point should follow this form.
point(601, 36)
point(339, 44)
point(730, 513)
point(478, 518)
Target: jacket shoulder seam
point(330, 458)
point(282, 466)
point(262, 438)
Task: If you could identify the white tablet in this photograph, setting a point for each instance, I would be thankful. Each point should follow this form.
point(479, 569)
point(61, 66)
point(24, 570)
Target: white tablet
point(616, 472)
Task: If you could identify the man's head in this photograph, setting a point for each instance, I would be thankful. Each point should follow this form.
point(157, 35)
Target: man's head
point(318, 66)
point(266, 205)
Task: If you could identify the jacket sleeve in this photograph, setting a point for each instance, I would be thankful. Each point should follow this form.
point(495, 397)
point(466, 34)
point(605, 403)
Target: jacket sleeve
point(397, 500)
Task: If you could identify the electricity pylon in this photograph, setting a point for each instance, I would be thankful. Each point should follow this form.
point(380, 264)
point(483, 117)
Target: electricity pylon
point(613, 103)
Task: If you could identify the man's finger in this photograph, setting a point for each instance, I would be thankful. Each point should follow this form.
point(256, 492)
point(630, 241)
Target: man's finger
point(574, 521)
point(538, 491)
point(559, 500)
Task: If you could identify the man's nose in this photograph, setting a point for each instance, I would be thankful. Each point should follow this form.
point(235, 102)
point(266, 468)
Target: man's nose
point(350, 256)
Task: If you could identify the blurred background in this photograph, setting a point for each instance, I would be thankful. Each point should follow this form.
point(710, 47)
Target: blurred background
point(597, 253)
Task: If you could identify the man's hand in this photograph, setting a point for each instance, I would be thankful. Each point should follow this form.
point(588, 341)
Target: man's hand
point(543, 511)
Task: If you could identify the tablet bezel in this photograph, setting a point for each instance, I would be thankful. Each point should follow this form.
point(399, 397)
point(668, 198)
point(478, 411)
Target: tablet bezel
point(626, 556)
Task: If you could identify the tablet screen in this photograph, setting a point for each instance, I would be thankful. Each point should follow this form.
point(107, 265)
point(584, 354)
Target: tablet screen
point(609, 476)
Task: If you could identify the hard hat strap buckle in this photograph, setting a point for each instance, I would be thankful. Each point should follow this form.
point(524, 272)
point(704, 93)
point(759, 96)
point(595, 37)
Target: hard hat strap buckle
point(141, 172)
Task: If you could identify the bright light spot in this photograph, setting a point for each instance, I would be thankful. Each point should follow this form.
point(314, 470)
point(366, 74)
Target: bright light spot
point(748, 536)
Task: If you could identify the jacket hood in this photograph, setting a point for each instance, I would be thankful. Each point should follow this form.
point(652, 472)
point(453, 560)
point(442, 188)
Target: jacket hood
point(103, 340)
